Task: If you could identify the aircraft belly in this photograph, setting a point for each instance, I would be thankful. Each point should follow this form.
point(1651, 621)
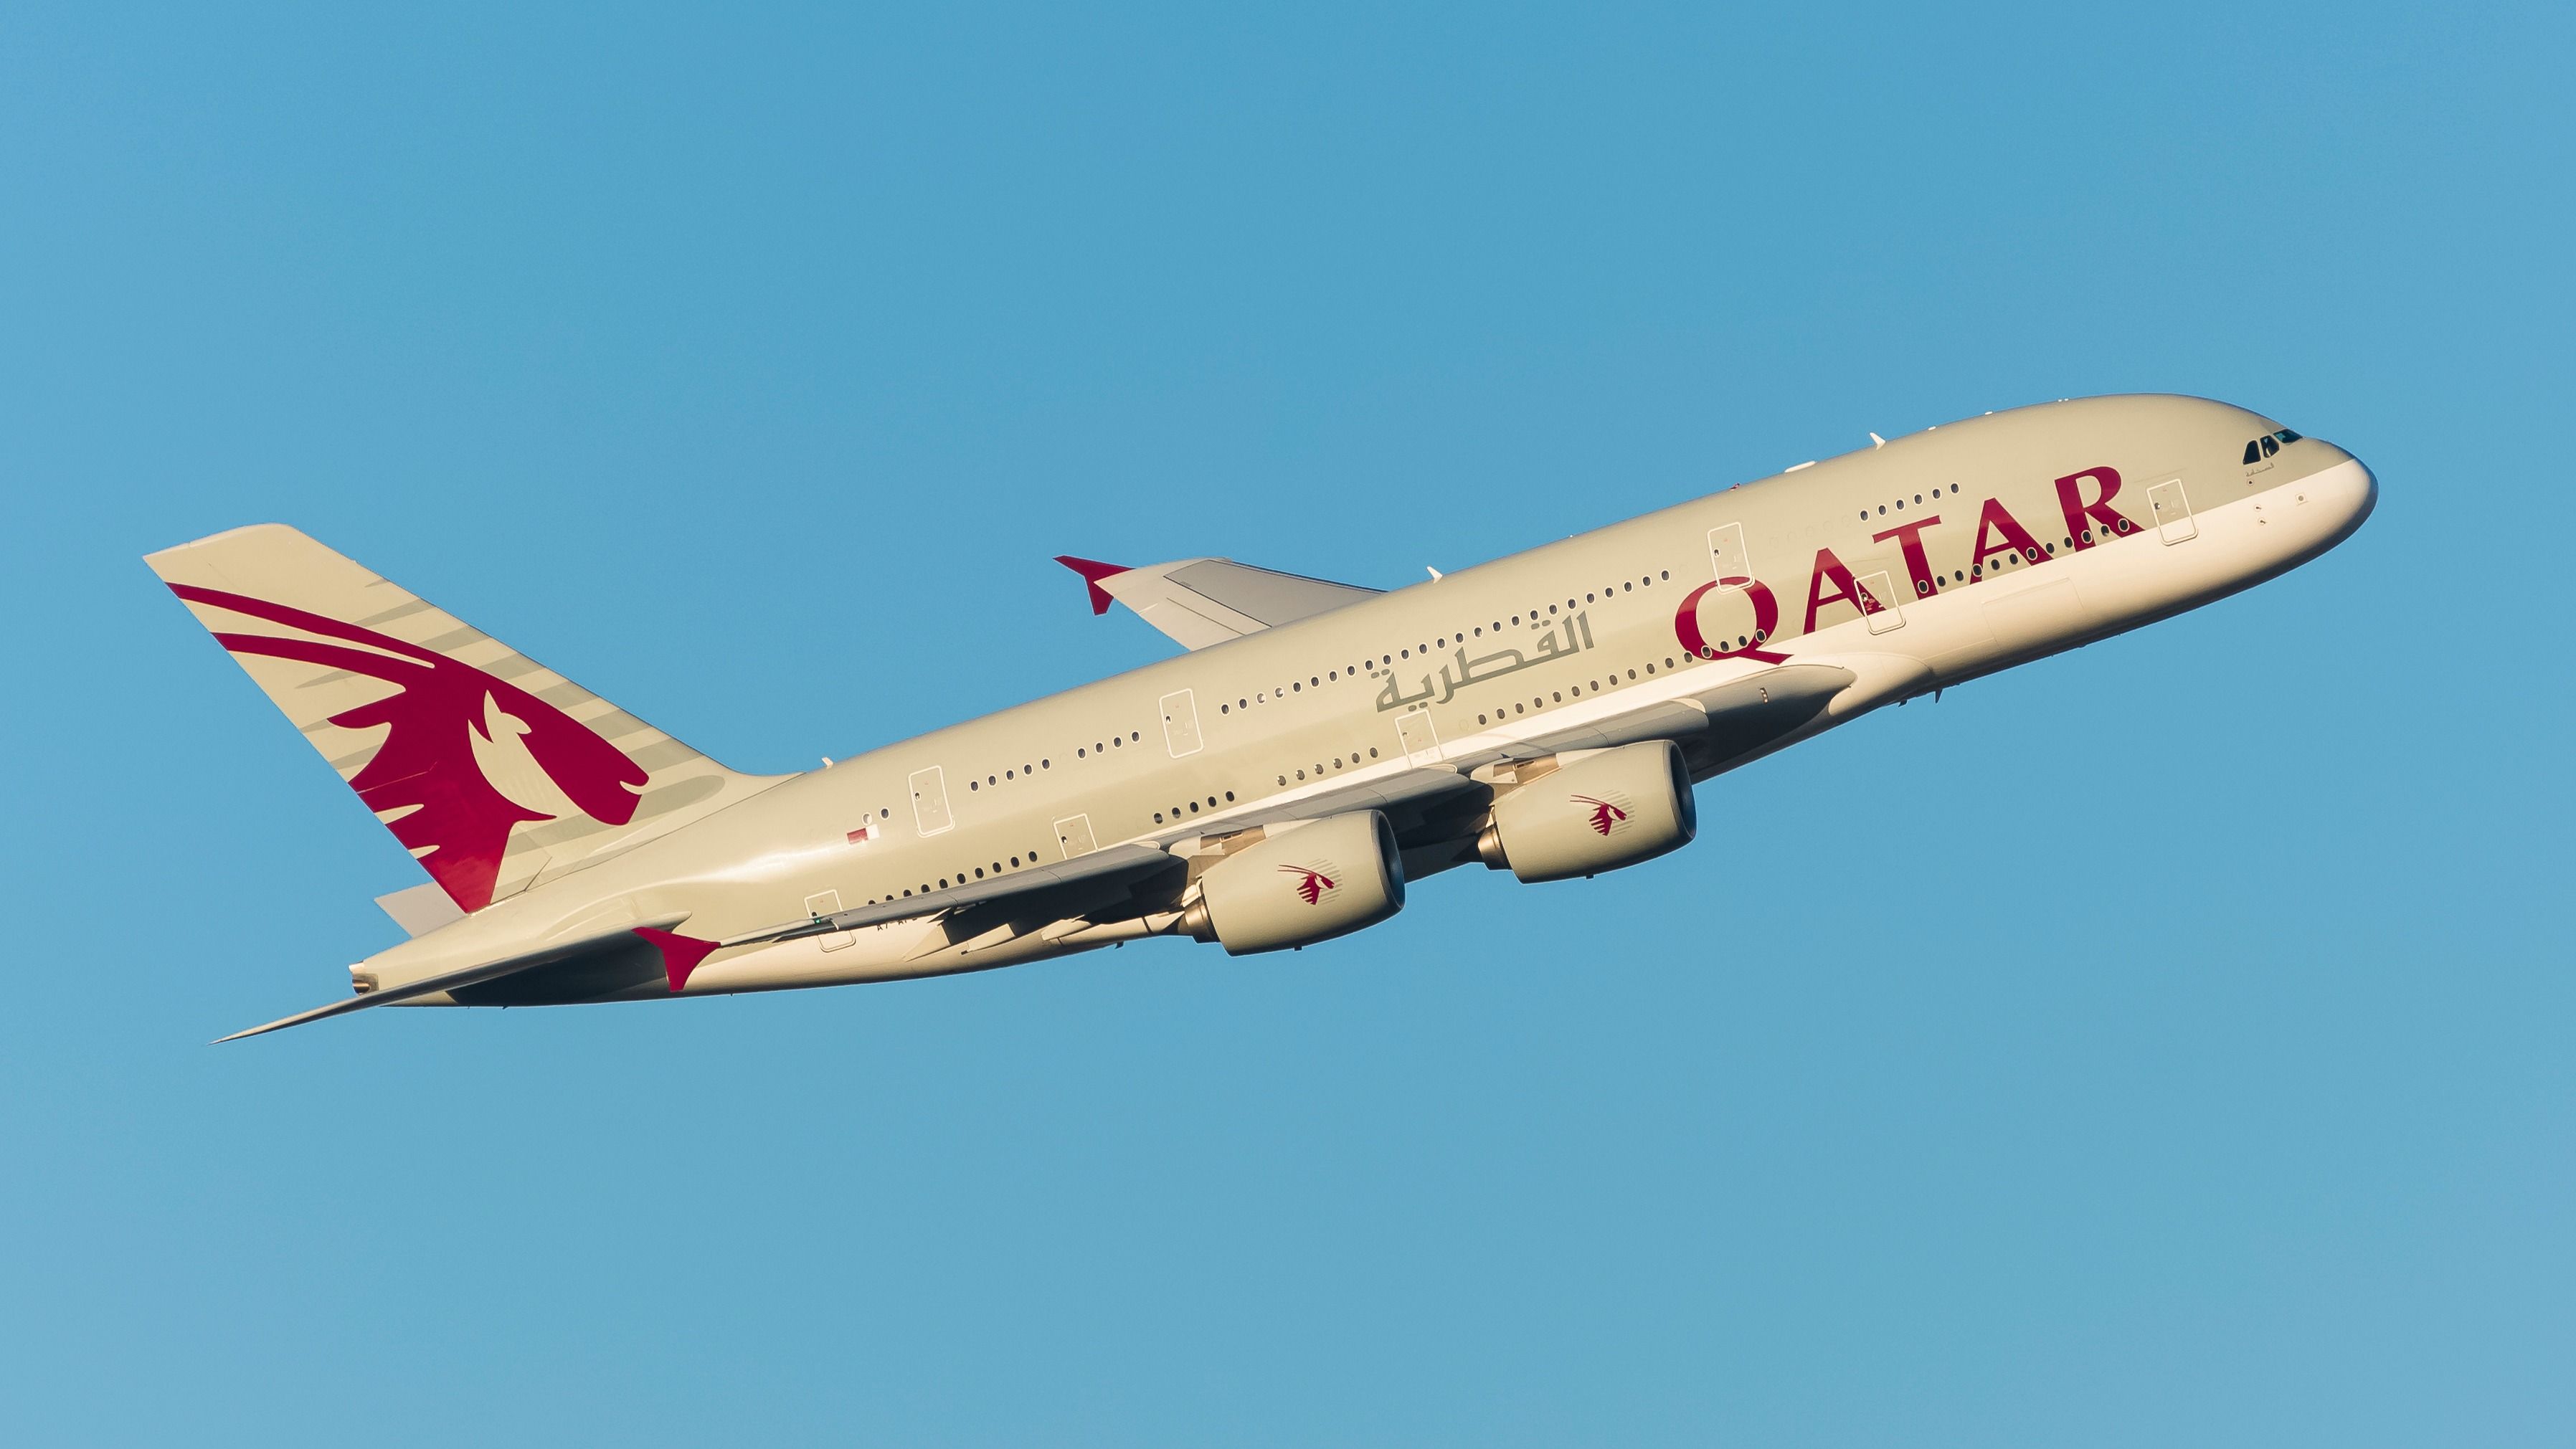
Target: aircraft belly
point(2046, 613)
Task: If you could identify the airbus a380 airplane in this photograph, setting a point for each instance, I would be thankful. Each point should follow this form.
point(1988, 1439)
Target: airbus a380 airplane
point(1318, 748)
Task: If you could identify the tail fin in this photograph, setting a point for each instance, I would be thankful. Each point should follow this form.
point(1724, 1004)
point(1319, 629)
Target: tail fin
point(496, 771)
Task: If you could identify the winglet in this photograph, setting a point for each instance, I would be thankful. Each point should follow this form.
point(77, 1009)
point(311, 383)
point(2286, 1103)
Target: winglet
point(1093, 571)
point(680, 954)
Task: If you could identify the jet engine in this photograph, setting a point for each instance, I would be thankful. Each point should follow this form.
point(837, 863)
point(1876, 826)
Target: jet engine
point(1597, 811)
point(1300, 886)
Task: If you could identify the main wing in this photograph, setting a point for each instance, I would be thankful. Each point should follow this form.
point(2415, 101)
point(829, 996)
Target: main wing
point(1432, 809)
point(1436, 810)
point(1074, 887)
point(1204, 601)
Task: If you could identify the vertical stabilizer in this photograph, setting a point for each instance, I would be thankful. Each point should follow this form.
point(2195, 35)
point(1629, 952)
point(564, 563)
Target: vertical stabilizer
point(495, 771)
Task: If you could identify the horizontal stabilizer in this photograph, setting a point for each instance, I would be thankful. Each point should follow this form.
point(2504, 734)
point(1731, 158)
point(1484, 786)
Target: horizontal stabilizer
point(455, 980)
point(1204, 601)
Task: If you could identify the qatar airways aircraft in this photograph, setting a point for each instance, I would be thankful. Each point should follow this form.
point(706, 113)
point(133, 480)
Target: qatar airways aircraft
point(1318, 748)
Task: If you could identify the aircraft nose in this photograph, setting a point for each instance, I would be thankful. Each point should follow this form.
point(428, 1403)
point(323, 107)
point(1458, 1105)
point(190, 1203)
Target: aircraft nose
point(2345, 489)
point(2355, 488)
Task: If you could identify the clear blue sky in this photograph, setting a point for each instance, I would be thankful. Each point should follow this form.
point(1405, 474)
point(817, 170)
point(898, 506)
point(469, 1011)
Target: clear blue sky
point(2168, 1043)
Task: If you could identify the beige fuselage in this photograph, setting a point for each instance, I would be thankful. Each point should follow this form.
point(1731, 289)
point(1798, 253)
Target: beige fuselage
point(1933, 559)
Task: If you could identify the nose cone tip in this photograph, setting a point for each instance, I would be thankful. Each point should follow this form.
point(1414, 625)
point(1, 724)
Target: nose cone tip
point(2359, 490)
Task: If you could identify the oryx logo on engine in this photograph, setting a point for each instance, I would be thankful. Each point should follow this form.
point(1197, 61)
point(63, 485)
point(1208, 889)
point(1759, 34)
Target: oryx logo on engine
point(1605, 816)
point(1312, 884)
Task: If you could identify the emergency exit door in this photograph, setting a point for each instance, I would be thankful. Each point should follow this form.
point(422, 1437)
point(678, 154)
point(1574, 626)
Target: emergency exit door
point(1879, 603)
point(1727, 554)
point(930, 801)
point(2172, 512)
point(1181, 724)
point(1421, 742)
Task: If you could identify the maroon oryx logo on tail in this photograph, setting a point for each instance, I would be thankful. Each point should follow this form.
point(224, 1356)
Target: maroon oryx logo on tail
point(1604, 814)
point(1311, 883)
point(450, 814)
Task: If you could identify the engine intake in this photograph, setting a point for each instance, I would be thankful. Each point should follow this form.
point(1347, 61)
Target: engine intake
point(1596, 812)
point(1300, 886)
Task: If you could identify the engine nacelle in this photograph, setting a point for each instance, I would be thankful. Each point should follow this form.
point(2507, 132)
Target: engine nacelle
point(1600, 812)
point(1301, 886)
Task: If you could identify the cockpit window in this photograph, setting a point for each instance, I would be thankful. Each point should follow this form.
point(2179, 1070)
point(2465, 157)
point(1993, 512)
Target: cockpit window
point(2267, 445)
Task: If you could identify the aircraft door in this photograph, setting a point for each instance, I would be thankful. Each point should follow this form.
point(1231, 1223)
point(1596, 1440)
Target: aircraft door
point(1073, 836)
point(1727, 554)
point(1181, 724)
point(828, 903)
point(2172, 513)
point(930, 801)
point(1880, 605)
point(1421, 742)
